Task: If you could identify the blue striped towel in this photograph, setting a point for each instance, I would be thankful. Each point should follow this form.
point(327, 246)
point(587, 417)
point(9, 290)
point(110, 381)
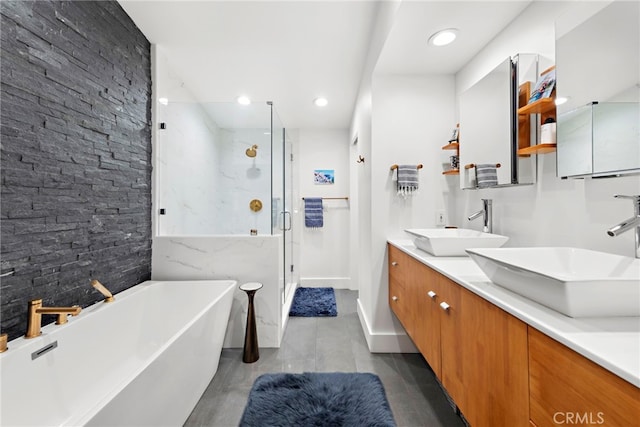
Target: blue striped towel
point(313, 212)
point(486, 175)
point(407, 180)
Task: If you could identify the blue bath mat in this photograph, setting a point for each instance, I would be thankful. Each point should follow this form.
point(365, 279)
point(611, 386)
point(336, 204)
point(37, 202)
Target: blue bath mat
point(317, 399)
point(314, 302)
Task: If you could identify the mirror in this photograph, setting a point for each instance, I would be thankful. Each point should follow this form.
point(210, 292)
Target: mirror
point(489, 127)
point(598, 70)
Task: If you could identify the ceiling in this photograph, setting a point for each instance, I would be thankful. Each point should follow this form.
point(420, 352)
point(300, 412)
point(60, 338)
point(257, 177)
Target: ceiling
point(291, 52)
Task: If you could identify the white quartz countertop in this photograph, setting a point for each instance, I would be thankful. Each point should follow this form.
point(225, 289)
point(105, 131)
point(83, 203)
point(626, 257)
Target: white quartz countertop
point(611, 342)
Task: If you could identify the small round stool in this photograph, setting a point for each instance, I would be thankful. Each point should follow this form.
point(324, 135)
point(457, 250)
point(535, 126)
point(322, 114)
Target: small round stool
point(250, 353)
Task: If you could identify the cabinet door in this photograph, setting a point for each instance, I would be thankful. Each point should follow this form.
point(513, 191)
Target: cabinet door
point(496, 375)
point(569, 389)
point(427, 295)
point(401, 267)
point(452, 339)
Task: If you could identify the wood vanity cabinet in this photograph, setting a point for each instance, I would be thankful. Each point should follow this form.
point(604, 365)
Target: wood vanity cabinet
point(477, 350)
point(401, 278)
point(567, 388)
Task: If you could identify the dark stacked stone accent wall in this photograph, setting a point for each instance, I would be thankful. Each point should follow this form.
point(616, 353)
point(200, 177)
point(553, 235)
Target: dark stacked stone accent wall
point(75, 154)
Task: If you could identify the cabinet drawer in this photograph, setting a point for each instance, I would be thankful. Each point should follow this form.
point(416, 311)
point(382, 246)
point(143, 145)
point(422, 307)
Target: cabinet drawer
point(567, 388)
point(399, 265)
point(399, 300)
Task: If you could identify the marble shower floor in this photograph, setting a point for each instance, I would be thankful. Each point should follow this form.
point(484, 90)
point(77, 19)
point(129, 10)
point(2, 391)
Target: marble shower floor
point(327, 344)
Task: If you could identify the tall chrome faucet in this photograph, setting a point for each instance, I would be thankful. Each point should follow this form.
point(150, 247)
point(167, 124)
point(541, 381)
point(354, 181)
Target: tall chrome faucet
point(487, 215)
point(628, 224)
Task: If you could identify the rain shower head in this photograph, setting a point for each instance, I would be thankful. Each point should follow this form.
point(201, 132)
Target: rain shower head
point(251, 152)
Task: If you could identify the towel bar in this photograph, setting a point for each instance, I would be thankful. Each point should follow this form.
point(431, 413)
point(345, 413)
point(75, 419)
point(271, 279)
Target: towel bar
point(394, 167)
point(333, 198)
point(473, 165)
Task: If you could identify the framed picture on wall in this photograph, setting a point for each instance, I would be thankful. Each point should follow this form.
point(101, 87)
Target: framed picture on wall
point(323, 176)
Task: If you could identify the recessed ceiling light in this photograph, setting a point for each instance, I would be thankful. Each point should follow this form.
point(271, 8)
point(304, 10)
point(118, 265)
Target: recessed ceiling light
point(443, 37)
point(321, 102)
point(163, 101)
point(244, 100)
point(561, 100)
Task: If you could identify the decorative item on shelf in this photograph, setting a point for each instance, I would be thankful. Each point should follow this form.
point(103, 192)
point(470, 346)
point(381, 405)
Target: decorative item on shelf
point(548, 131)
point(455, 136)
point(544, 86)
point(407, 180)
point(453, 145)
point(454, 161)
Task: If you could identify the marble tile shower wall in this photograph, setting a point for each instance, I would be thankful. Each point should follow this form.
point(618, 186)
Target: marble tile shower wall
point(206, 181)
point(75, 155)
point(243, 179)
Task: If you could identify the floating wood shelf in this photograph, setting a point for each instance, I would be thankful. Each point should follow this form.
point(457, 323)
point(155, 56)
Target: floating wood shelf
point(537, 149)
point(540, 106)
point(451, 146)
point(451, 172)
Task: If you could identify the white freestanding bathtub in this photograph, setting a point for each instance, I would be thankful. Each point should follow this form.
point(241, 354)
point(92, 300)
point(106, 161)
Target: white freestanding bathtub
point(143, 360)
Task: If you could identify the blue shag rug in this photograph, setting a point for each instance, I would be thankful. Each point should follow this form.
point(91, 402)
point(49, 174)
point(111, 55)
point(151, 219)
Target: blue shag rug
point(317, 399)
point(314, 302)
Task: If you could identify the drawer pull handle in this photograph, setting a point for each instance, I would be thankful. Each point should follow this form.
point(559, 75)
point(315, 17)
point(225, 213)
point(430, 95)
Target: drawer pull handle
point(395, 298)
point(444, 306)
point(431, 294)
point(394, 263)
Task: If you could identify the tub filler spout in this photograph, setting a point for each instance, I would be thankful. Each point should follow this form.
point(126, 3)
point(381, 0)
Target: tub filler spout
point(36, 310)
point(108, 297)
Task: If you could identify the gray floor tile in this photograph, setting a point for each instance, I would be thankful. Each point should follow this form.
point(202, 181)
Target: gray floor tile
point(331, 344)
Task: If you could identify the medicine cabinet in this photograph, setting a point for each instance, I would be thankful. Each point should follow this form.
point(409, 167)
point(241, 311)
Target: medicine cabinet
point(491, 131)
point(598, 71)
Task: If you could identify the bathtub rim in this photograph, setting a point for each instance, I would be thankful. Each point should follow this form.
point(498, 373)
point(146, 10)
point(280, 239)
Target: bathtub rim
point(49, 329)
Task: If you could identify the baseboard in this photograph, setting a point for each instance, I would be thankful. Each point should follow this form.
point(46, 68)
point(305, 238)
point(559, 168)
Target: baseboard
point(285, 310)
point(326, 282)
point(385, 342)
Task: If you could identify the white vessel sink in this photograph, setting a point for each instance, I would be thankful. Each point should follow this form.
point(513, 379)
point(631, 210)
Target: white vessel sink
point(575, 282)
point(454, 241)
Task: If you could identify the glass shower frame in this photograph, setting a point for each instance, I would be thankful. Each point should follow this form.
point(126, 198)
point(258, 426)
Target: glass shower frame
point(208, 184)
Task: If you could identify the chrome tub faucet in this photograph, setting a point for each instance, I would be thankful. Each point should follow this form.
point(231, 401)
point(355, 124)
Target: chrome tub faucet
point(487, 215)
point(630, 223)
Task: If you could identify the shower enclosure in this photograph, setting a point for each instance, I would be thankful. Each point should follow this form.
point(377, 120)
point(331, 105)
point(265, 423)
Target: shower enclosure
point(224, 169)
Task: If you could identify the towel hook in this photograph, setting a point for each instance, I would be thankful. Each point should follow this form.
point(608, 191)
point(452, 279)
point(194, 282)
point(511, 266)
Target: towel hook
point(360, 159)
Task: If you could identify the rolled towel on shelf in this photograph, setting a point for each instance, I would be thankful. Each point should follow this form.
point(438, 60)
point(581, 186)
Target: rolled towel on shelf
point(407, 180)
point(313, 217)
point(486, 175)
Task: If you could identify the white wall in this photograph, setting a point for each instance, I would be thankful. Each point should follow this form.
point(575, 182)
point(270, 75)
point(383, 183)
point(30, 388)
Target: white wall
point(411, 118)
point(324, 252)
point(361, 173)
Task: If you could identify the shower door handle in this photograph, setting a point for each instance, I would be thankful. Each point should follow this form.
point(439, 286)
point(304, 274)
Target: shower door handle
point(284, 220)
point(284, 226)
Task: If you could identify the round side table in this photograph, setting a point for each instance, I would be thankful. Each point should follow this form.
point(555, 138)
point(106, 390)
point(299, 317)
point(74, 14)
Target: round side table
point(250, 353)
